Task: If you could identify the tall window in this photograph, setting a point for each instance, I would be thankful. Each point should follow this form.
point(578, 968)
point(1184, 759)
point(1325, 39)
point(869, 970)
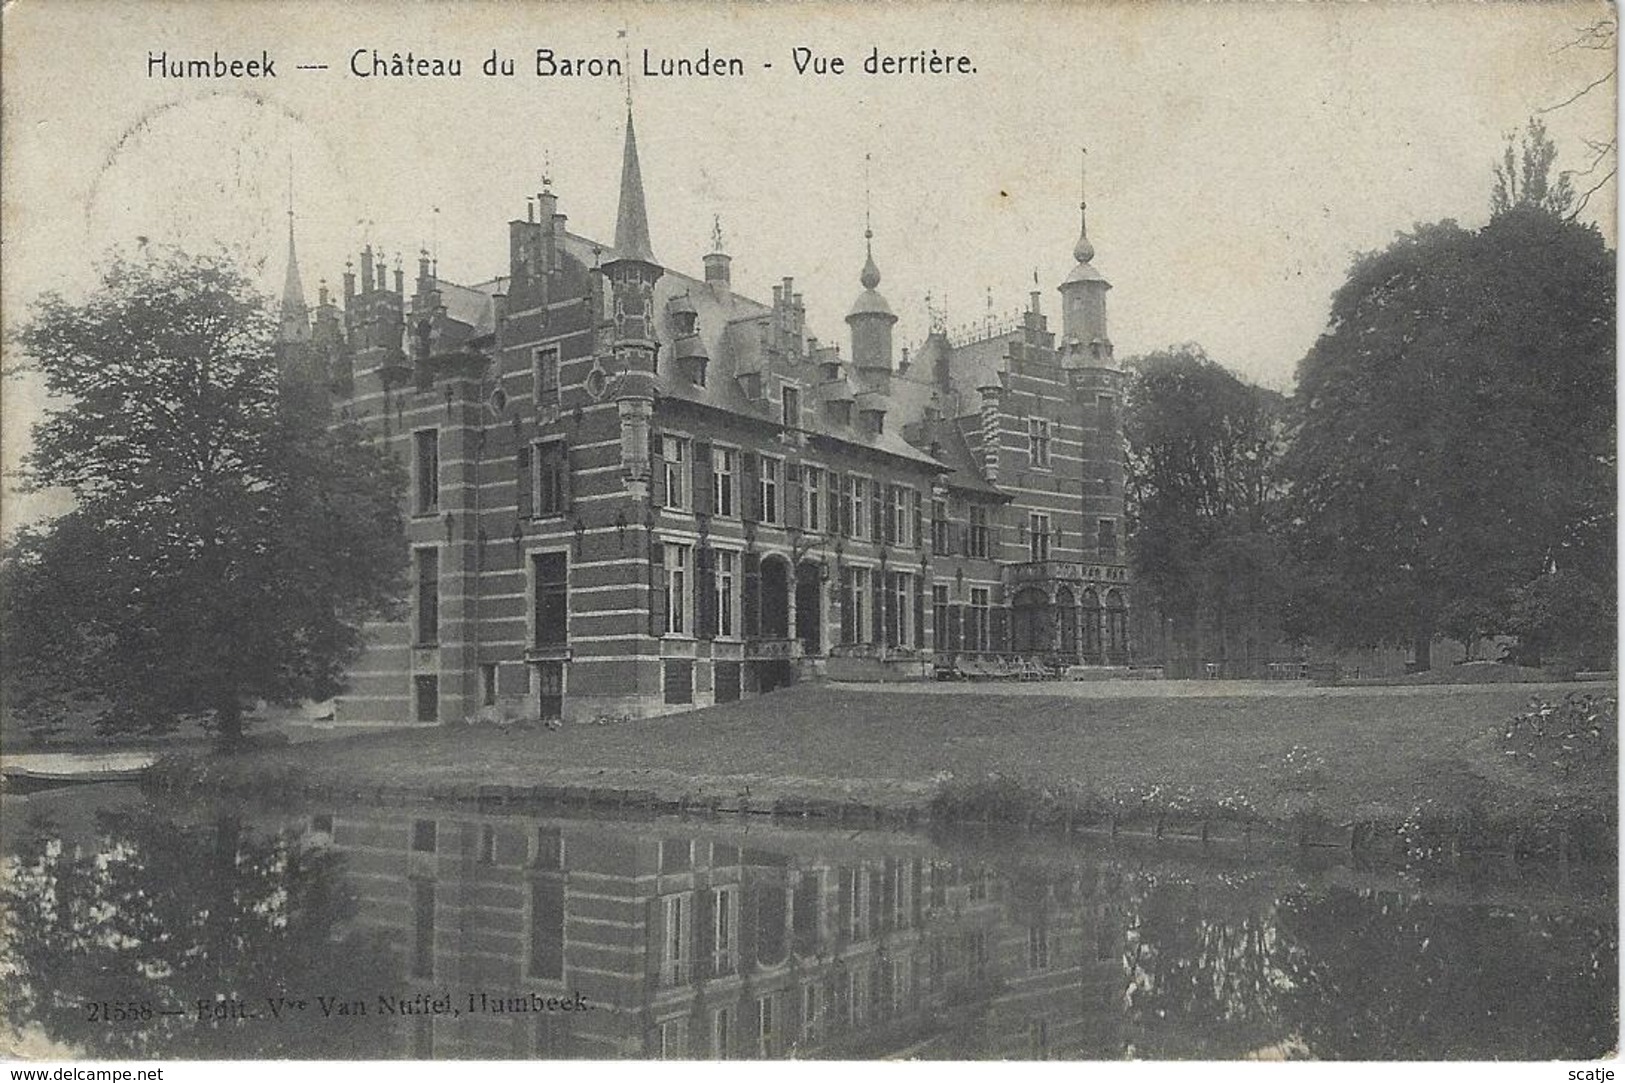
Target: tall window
point(727, 591)
point(940, 538)
point(426, 465)
point(723, 462)
point(771, 469)
point(721, 1024)
point(792, 408)
point(852, 509)
point(551, 574)
point(423, 928)
point(547, 928)
point(976, 635)
point(978, 538)
point(674, 949)
point(428, 579)
point(899, 606)
point(811, 1012)
point(1038, 442)
point(552, 478)
point(939, 614)
point(854, 605)
point(676, 588)
point(764, 1025)
point(900, 515)
point(1108, 539)
point(547, 377)
point(1037, 947)
point(1038, 535)
point(674, 450)
point(722, 911)
point(812, 483)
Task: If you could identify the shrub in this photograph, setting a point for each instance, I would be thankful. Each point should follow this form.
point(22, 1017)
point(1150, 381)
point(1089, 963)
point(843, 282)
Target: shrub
point(1578, 733)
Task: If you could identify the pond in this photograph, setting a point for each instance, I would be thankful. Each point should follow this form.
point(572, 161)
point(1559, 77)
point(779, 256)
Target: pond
point(148, 928)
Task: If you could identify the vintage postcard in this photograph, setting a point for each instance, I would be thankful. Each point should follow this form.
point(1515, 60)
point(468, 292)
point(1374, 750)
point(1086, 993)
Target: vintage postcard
point(1025, 531)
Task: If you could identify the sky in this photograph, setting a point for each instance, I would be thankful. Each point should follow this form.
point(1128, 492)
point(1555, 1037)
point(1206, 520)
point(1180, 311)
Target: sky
point(1238, 155)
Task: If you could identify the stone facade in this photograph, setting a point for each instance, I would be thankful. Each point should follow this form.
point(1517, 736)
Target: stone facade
point(634, 491)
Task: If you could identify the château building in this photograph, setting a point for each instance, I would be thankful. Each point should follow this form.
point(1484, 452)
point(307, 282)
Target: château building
point(633, 490)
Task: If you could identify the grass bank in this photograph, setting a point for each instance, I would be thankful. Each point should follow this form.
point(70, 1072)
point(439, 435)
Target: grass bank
point(1226, 762)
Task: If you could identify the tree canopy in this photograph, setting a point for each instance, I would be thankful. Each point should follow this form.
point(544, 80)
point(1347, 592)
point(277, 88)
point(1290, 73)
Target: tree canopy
point(1455, 425)
point(1204, 450)
point(227, 541)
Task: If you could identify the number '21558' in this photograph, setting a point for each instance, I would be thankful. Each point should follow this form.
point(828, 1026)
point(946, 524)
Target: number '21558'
point(102, 1011)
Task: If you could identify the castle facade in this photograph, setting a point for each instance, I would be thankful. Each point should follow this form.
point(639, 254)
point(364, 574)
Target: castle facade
point(634, 491)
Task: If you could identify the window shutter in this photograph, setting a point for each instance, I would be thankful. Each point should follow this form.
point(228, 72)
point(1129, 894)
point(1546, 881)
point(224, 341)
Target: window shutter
point(847, 635)
point(702, 479)
point(752, 563)
point(566, 477)
point(919, 517)
point(657, 593)
point(844, 481)
point(919, 612)
point(705, 588)
point(657, 471)
point(998, 618)
point(877, 591)
point(526, 481)
point(749, 498)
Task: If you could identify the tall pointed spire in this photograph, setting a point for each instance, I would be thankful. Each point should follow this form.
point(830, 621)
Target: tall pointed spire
point(632, 221)
point(295, 315)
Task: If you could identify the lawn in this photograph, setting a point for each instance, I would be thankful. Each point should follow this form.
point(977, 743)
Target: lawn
point(1357, 754)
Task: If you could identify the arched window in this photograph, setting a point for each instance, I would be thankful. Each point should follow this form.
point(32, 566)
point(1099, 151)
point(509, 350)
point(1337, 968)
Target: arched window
point(1029, 614)
point(1090, 622)
point(1066, 612)
point(1116, 625)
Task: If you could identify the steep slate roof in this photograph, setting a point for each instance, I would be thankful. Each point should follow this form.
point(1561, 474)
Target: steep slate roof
point(733, 330)
point(964, 465)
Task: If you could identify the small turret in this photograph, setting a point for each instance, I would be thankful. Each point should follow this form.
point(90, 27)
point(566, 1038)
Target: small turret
point(871, 320)
point(1084, 339)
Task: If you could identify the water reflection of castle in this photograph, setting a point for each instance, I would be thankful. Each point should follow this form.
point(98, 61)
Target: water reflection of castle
point(710, 942)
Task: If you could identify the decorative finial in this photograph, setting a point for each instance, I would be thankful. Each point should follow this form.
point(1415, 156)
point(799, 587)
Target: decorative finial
point(290, 189)
point(716, 233)
point(626, 56)
point(871, 273)
point(1083, 251)
point(547, 171)
point(868, 231)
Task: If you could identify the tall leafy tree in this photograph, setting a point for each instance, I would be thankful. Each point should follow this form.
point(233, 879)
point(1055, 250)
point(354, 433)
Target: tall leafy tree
point(1204, 450)
point(1455, 437)
point(227, 540)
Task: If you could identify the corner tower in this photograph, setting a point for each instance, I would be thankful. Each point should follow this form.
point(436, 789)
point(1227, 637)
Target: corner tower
point(630, 340)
